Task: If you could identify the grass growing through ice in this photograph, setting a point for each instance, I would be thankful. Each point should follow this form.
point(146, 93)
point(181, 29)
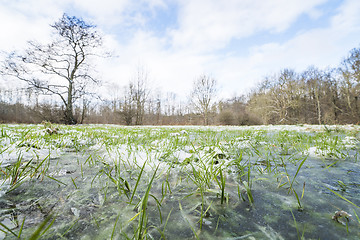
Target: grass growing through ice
point(172, 182)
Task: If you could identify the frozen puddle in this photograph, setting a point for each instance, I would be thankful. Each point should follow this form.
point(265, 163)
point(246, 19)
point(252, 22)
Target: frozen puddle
point(112, 182)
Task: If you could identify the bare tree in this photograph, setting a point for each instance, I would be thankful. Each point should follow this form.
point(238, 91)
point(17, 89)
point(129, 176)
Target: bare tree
point(127, 106)
point(352, 64)
point(278, 98)
point(313, 80)
point(140, 93)
point(61, 68)
point(203, 95)
point(170, 103)
point(158, 105)
point(350, 71)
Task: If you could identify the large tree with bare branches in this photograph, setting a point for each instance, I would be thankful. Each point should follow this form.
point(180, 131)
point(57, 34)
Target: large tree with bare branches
point(203, 95)
point(61, 68)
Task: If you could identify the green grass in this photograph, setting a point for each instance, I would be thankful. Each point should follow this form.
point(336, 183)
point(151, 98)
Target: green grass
point(142, 180)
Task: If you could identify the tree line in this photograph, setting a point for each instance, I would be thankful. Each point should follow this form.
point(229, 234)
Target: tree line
point(59, 87)
point(313, 96)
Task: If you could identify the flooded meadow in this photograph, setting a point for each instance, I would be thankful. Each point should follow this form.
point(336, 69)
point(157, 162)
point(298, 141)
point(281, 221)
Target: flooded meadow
point(179, 182)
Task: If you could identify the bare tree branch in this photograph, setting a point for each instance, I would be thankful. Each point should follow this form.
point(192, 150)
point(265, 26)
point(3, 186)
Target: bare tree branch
point(203, 94)
point(61, 68)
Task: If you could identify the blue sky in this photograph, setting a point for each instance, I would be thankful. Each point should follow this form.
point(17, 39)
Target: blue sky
point(238, 42)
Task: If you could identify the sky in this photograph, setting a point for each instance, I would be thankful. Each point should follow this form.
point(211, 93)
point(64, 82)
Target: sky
point(237, 42)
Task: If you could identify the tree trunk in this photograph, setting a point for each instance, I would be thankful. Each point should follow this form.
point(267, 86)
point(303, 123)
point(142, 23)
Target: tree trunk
point(206, 118)
point(83, 112)
point(318, 107)
point(69, 115)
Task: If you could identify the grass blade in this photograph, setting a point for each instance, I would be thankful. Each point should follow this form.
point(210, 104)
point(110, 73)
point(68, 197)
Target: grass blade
point(342, 197)
point(302, 162)
point(113, 231)
point(21, 228)
point(37, 234)
point(7, 229)
point(137, 182)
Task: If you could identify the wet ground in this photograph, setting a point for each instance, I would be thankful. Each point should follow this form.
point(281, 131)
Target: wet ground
point(109, 182)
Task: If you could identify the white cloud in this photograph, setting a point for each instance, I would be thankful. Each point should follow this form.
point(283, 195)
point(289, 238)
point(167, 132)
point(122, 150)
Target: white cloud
point(22, 21)
point(203, 28)
point(168, 70)
point(112, 13)
point(104, 12)
point(348, 18)
point(207, 25)
point(322, 47)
